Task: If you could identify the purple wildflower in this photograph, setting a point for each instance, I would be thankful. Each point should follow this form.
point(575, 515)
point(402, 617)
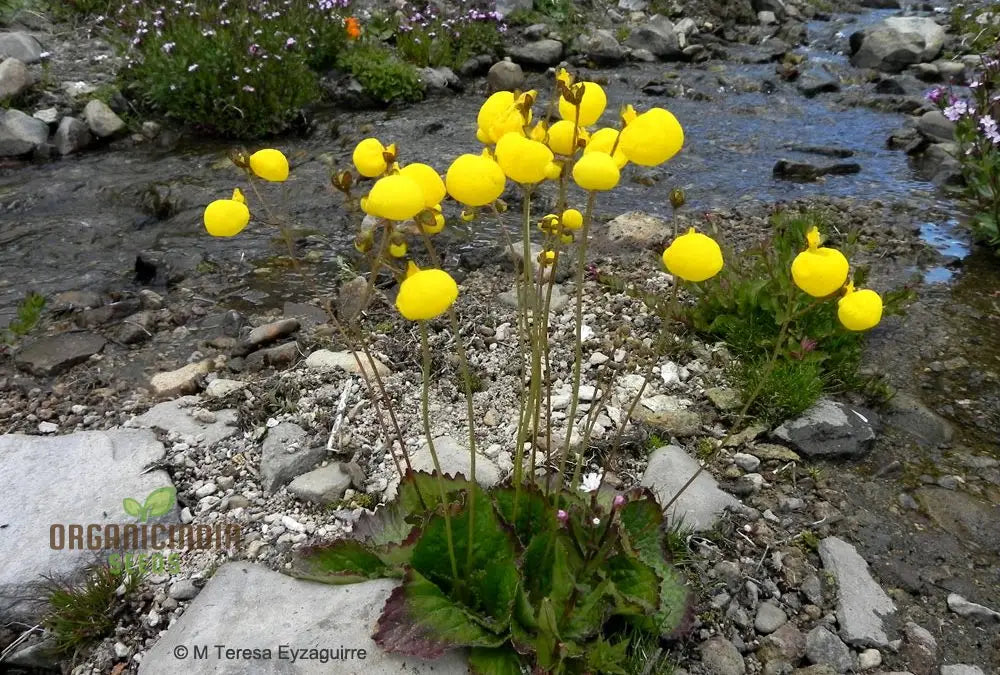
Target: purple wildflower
point(989, 127)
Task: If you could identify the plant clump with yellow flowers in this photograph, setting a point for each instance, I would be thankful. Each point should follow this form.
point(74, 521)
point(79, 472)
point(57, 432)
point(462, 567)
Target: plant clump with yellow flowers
point(532, 573)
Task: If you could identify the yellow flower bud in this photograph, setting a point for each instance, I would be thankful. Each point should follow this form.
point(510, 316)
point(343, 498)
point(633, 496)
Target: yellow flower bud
point(819, 271)
point(859, 310)
point(603, 140)
point(395, 197)
point(397, 247)
point(549, 224)
point(693, 256)
point(523, 160)
point(270, 165)
point(572, 219)
point(592, 104)
point(475, 180)
point(227, 217)
point(652, 138)
point(425, 294)
point(429, 181)
point(468, 215)
point(562, 75)
point(596, 171)
point(538, 132)
point(437, 225)
point(369, 159)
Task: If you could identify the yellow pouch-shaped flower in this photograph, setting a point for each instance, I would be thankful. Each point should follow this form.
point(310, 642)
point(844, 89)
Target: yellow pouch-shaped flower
point(596, 171)
point(270, 165)
point(652, 138)
point(571, 219)
point(523, 160)
point(429, 181)
point(425, 294)
point(493, 107)
point(561, 137)
point(369, 159)
point(395, 197)
point(227, 217)
point(603, 140)
point(859, 310)
point(475, 180)
point(693, 256)
point(819, 271)
point(592, 105)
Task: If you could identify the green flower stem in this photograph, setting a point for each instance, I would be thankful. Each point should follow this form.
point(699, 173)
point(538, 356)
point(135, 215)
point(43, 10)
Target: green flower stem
point(578, 346)
point(425, 414)
point(285, 232)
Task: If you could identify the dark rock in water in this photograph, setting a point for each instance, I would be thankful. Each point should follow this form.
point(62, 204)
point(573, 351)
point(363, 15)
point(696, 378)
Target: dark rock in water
point(58, 353)
point(817, 80)
point(658, 36)
point(153, 270)
point(108, 313)
point(896, 43)
point(786, 169)
point(505, 76)
point(908, 140)
point(908, 414)
point(308, 315)
point(936, 127)
point(281, 356)
point(830, 429)
point(825, 150)
point(881, 4)
point(889, 85)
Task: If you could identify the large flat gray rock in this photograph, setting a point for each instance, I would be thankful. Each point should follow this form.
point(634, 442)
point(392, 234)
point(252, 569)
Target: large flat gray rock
point(861, 602)
point(178, 416)
point(702, 502)
point(81, 479)
point(830, 429)
point(251, 606)
point(58, 353)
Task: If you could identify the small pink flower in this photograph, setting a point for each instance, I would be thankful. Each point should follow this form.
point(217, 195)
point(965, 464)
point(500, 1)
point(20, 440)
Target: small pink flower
point(619, 501)
point(562, 516)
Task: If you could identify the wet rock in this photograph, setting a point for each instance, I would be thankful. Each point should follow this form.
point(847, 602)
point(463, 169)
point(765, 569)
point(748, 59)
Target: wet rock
point(637, 228)
point(769, 618)
point(541, 53)
point(721, 657)
point(971, 610)
point(71, 136)
point(21, 133)
point(324, 360)
point(505, 76)
point(102, 120)
point(907, 413)
point(350, 612)
point(601, 47)
point(961, 514)
point(271, 332)
point(830, 429)
point(700, 505)
point(935, 126)
point(177, 417)
point(20, 46)
point(815, 79)
point(278, 357)
point(438, 80)
point(87, 475)
point(325, 485)
point(823, 647)
point(308, 315)
point(658, 36)
point(861, 602)
point(806, 173)
point(185, 380)
point(896, 43)
point(58, 353)
point(454, 458)
point(14, 78)
point(287, 454)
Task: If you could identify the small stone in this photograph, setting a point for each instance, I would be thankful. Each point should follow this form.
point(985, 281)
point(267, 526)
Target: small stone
point(292, 525)
point(71, 136)
point(869, 658)
point(325, 485)
point(14, 78)
point(749, 484)
point(21, 133)
point(961, 669)
point(184, 380)
point(121, 650)
point(720, 657)
point(769, 618)
point(184, 589)
point(790, 504)
point(220, 388)
point(724, 398)
point(746, 462)
point(700, 505)
point(271, 332)
point(823, 647)
point(102, 120)
point(48, 427)
point(205, 490)
point(541, 53)
point(56, 354)
point(324, 360)
point(972, 610)
point(861, 602)
point(597, 358)
point(589, 393)
point(286, 454)
point(830, 429)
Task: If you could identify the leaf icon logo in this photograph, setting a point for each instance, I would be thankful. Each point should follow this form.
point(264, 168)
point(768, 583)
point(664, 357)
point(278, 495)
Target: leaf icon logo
point(158, 503)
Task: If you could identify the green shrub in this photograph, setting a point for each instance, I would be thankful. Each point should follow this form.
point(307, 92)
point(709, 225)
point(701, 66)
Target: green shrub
point(981, 23)
point(425, 37)
point(383, 76)
point(243, 70)
point(29, 313)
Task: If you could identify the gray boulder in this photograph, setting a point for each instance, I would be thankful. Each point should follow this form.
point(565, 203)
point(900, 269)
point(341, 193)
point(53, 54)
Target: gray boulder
point(102, 120)
point(325, 485)
point(936, 127)
point(775, 6)
point(505, 76)
point(281, 610)
point(49, 483)
point(58, 353)
point(659, 37)
point(721, 657)
point(702, 502)
point(601, 47)
point(14, 78)
point(896, 43)
point(861, 602)
point(438, 80)
point(71, 136)
point(20, 133)
point(541, 53)
point(816, 79)
point(182, 416)
point(286, 454)
point(454, 458)
point(825, 648)
point(830, 429)
point(20, 46)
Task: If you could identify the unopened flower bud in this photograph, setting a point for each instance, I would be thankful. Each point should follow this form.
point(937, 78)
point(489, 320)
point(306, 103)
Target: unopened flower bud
point(677, 198)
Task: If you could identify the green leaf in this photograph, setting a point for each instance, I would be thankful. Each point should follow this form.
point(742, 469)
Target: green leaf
point(590, 612)
point(132, 507)
point(345, 561)
point(420, 491)
point(604, 657)
point(384, 527)
point(160, 502)
point(635, 581)
point(501, 661)
point(533, 511)
point(420, 620)
point(551, 564)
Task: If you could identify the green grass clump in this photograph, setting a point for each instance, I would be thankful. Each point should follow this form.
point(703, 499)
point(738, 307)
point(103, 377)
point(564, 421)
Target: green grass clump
point(29, 313)
point(383, 76)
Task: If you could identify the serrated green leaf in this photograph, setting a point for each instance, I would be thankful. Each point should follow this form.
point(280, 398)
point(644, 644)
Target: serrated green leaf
point(160, 502)
point(533, 511)
point(551, 563)
point(384, 527)
point(590, 612)
point(419, 491)
point(132, 507)
point(345, 561)
point(420, 620)
point(500, 661)
point(634, 580)
point(604, 657)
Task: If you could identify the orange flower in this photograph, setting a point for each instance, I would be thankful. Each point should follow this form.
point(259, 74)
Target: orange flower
point(353, 27)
